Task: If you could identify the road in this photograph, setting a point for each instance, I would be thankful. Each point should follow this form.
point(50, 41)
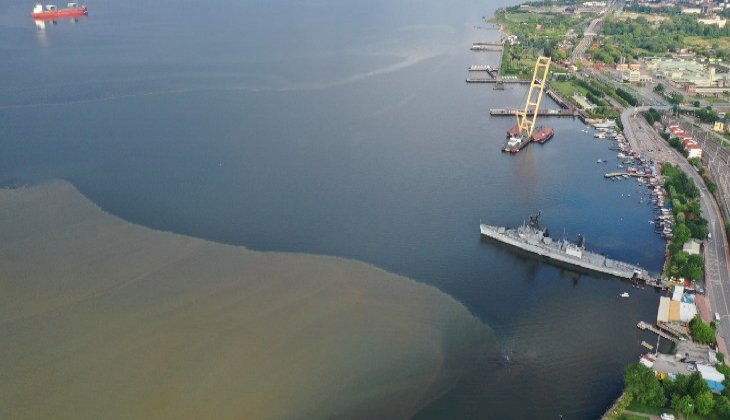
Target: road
point(643, 138)
point(580, 49)
point(592, 30)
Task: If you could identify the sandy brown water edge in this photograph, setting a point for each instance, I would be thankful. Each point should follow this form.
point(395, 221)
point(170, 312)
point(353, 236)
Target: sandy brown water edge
point(100, 318)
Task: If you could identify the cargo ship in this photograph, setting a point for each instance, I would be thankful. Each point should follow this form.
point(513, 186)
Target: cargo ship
point(543, 134)
point(532, 238)
point(50, 11)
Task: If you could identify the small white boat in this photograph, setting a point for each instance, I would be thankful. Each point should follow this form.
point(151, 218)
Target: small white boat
point(624, 294)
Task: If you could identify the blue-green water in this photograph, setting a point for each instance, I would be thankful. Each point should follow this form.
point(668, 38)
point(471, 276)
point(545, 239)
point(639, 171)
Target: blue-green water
point(342, 128)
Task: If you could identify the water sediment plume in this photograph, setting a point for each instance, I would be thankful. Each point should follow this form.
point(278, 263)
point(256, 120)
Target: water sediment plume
point(100, 318)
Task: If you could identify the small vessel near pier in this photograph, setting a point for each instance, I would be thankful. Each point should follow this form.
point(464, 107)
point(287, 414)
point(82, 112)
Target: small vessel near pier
point(533, 238)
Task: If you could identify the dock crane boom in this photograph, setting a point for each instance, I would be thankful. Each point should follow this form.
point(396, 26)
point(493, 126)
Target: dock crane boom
point(526, 119)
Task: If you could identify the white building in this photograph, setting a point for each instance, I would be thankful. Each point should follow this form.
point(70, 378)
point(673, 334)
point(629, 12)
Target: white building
point(714, 20)
point(691, 10)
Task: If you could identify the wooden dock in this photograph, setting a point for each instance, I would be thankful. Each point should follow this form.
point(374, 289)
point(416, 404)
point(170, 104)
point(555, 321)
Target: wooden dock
point(507, 112)
point(493, 43)
point(491, 71)
point(645, 326)
point(489, 26)
point(498, 80)
point(476, 47)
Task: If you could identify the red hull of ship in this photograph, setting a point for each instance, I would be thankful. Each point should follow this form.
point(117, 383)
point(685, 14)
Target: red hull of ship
point(543, 135)
point(82, 11)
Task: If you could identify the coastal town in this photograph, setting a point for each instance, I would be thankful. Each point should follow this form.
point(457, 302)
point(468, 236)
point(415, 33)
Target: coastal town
point(653, 77)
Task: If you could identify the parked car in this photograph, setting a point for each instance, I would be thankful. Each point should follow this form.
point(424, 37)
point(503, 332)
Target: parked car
point(666, 416)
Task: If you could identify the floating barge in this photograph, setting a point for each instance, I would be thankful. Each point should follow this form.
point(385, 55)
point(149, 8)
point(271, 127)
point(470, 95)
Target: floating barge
point(535, 240)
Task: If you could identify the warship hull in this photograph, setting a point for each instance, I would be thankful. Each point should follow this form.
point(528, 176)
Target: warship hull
point(561, 252)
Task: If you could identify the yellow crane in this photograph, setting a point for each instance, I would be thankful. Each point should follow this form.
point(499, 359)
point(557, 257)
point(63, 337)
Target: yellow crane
point(526, 119)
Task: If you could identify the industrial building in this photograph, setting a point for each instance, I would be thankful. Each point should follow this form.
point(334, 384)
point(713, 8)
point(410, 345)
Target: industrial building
point(696, 77)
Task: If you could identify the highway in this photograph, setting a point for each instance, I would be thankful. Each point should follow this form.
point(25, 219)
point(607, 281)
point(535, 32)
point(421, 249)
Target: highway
point(592, 30)
point(644, 139)
point(588, 34)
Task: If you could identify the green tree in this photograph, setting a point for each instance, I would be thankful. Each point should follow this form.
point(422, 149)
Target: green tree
point(678, 387)
point(722, 407)
point(701, 332)
point(705, 403)
point(682, 233)
point(695, 267)
point(643, 386)
point(659, 88)
point(684, 404)
point(698, 386)
point(676, 98)
point(681, 218)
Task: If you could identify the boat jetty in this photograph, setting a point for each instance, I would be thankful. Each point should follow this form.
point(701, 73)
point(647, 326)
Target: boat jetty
point(531, 237)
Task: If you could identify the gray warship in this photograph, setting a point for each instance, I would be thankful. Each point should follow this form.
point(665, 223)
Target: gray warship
point(531, 237)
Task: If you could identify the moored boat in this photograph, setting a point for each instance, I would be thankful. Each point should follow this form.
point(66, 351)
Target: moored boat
point(543, 134)
point(515, 144)
point(50, 11)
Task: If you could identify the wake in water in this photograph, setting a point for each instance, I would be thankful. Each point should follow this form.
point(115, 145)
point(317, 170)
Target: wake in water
point(405, 63)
